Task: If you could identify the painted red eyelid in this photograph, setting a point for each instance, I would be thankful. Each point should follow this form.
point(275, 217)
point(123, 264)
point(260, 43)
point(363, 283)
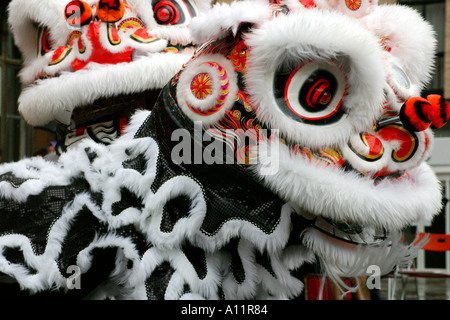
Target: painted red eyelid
point(45, 43)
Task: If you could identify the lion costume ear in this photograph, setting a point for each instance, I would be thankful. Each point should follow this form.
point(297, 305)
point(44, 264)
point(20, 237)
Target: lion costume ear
point(410, 40)
point(225, 18)
point(25, 19)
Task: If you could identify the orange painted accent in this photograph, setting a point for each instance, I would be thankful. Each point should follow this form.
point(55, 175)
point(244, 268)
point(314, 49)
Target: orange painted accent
point(110, 10)
point(113, 35)
point(407, 141)
point(99, 53)
point(78, 13)
point(353, 5)
point(436, 242)
point(131, 23)
point(384, 43)
point(308, 3)
point(60, 54)
point(375, 146)
point(141, 35)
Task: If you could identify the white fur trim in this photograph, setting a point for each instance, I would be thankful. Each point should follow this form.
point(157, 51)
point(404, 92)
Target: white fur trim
point(366, 7)
point(185, 95)
point(224, 18)
point(145, 10)
point(411, 38)
point(24, 13)
point(312, 34)
point(423, 145)
point(341, 196)
point(339, 259)
point(56, 98)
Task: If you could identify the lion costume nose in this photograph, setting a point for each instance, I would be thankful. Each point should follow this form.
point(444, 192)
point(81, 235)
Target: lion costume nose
point(400, 142)
point(110, 10)
point(418, 114)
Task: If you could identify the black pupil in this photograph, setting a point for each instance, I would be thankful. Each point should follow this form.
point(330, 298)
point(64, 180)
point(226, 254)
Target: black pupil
point(316, 101)
point(168, 12)
point(165, 14)
point(318, 91)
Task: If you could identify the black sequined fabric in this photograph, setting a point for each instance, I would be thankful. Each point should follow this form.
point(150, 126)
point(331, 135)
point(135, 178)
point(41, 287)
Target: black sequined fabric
point(12, 180)
point(34, 217)
point(230, 192)
point(156, 284)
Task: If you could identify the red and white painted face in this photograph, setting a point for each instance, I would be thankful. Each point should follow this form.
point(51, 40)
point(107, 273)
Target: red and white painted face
point(111, 31)
point(126, 37)
point(108, 33)
point(343, 91)
point(390, 147)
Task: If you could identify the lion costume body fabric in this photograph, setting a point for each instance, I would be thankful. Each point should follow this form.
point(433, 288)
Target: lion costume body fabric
point(295, 135)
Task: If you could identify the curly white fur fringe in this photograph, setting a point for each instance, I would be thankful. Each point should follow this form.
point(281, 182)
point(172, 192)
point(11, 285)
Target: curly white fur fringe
point(352, 261)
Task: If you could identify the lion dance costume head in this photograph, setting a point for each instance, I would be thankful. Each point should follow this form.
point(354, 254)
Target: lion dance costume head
point(88, 65)
point(294, 135)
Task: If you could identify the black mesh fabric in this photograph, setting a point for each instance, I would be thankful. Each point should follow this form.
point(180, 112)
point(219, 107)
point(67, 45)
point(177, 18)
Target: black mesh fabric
point(12, 179)
point(82, 232)
point(174, 210)
point(138, 163)
point(231, 194)
point(34, 217)
point(103, 261)
point(139, 241)
point(264, 260)
point(127, 200)
point(236, 263)
point(196, 257)
point(156, 284)
point(15, 255)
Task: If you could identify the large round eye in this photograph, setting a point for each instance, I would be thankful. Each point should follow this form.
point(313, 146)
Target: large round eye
point(312, 93)
point(171, 12)
point(166, 12)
